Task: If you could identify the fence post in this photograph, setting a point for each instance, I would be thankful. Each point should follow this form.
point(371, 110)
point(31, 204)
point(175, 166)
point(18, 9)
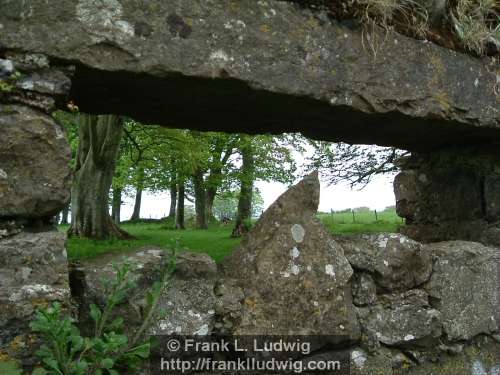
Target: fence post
point(353, 216)
point(376, 215)
point(331, 212)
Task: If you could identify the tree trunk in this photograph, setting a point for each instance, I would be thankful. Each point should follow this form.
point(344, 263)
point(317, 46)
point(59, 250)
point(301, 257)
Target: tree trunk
point(99, 142)
point(64, 215)
point(116, 205)
point(136, 215)
point(200, 203)
point(173, 201)
point(179, 215)
point(246, 191)
point(211, 193)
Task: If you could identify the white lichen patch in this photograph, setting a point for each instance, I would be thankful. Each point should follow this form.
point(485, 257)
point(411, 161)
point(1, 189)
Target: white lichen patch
point(382, 241)
point(202, 331)
point(192, 314)
point(329, 270)
point(298, 233)
point(478, 368)
point(3, 174)
point(26, 85)
point(102, 18)
point(237, 25)
point(409, 337)
point(219, 59)
point(59, 131)
point(295, 269)
point(6, 66)
point(36, 291)
point(164, 325)
point(294, 253)
point(270, 14)
point(358, 357)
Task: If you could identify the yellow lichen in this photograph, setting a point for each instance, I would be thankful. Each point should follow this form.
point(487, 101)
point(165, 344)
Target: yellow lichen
point(5, 357)
point(18, 343)
point(250, 302)
point(443, 100)
point(40, 303)
point(265, 28)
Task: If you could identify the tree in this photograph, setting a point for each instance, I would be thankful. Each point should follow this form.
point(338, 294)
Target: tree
point(150, 158)
point(259, 157)
point(226, 204)
point(247, 177)
point(136, 214)
point(173, 200)
point(356, 164)
point(116, 205)
point(210, 155)
point(179, 216)
point(99, 142)
point(200, 199)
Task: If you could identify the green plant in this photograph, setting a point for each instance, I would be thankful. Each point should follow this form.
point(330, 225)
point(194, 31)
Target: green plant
point(67, 352)
point(7, 85)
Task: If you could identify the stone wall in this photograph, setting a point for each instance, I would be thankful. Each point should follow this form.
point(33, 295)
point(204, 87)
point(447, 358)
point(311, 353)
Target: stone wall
point(34, 187)
point(450, 194)
point(396, 305)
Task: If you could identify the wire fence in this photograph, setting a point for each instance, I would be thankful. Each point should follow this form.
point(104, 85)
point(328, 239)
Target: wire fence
point(353, 216)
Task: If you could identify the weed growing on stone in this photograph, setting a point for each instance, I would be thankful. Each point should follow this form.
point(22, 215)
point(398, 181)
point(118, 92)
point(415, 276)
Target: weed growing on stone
point(476, 23)
point(67, 352)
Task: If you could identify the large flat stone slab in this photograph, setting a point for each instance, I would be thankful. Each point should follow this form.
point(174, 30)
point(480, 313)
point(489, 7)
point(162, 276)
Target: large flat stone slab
point(261, 66)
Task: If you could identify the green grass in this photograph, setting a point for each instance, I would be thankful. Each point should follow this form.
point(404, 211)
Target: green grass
point(363, 222)
point(216, 240)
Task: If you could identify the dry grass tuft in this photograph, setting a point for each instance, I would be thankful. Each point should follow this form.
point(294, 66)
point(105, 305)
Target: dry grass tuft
point(476, 23)
point(467, 25)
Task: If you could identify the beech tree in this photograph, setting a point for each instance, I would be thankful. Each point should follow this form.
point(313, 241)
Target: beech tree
point(99, 142)
point(246, 178)
point(210, 154)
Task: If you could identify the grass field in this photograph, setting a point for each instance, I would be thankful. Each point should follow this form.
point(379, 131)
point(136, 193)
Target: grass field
point(216, 240)
point(362, 222)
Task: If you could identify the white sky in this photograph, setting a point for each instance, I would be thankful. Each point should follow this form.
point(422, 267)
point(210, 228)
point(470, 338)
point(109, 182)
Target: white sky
point(376, 195)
